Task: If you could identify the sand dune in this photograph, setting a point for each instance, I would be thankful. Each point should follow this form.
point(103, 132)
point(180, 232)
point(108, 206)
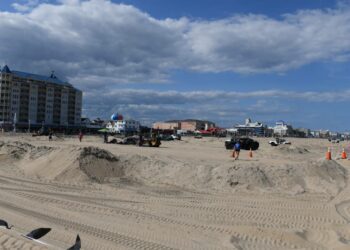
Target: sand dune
point(85, 164)
point(187, 194)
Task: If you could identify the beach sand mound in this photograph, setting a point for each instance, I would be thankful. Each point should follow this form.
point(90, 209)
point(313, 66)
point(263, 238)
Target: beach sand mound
point(315, 176)
point(99, 164)
point(61, 164)
point(93, 164)
point(18, 150)
point(322, 176)
point(290, 149)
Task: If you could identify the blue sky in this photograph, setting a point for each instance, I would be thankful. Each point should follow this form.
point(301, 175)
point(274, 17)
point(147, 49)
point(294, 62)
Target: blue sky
point(222, 60)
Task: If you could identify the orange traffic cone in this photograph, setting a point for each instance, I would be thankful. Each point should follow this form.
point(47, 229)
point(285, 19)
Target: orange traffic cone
point(343, 154)
point(329, 154)
point(250, 153)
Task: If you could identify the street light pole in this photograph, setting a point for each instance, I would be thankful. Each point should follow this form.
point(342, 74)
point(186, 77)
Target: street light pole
point(1, 102)
point(3, 106)
point(14, 122)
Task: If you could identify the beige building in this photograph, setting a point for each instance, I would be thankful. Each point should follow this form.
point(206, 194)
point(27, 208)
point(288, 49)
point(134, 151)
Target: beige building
point(189, 125)
point(27, 98)
point(193, 125)
point(166, 125)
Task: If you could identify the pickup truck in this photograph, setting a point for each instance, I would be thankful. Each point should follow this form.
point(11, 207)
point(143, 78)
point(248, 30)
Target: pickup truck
point(246, 143)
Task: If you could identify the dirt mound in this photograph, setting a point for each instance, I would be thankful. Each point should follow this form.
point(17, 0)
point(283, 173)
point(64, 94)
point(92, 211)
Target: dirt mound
point(19, 150)
point(320, 176)
point(250, 175)
point(88, 164)
point(16, 150)
point(290, 149)
point(327, 175)
point(99, 164)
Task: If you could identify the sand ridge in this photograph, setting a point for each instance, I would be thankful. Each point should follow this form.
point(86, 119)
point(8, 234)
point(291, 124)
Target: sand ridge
point(187, 195)
point(90, 163)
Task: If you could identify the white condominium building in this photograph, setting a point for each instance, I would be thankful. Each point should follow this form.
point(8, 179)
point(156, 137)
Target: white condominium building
point(282, 129)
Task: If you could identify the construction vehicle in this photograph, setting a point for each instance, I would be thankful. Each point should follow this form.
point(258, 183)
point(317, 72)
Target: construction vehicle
point(152, 141)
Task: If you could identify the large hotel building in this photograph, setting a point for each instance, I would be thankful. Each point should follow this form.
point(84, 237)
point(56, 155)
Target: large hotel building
point(34, 100)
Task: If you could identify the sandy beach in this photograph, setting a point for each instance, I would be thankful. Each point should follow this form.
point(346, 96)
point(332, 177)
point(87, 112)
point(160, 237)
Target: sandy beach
point(187, 194)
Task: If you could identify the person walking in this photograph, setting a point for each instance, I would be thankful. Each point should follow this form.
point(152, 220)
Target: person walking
point(50, 135)
point(237, 149)
point(140, 140)
point(80, 136)
point(105, 135)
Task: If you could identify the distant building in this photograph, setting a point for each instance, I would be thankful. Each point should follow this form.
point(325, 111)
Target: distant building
point(320, 133)
point(29, 99)
point(92, 124)
point(250, 128)
point(85, 121)
point(186, 125)
point(315, 134)
point(99, 122)
point(302, 132)
point(268, 131)
point(282, 129)
point(193, 125)
point(232, 131)
point(167, 125)
point(324, 133)
point(123, 126)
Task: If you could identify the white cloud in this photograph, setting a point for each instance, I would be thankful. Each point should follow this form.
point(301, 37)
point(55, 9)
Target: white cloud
point(253, 43)
point(224, 107)
point(97, 44)
point(134, 96)
point(102, 42)
point(25, 5)
point(92, 39)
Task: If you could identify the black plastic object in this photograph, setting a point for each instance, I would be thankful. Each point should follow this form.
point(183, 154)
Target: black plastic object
point(5, 224)
point(38, 233)
point(77, 244)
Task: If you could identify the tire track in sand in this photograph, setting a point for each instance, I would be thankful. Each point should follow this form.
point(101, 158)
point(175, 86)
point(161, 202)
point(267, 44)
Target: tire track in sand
point(123, 240)
point(112, 211)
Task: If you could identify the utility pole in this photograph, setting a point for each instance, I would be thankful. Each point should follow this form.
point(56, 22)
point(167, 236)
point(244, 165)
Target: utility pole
point(2, 99)
point(14, 122)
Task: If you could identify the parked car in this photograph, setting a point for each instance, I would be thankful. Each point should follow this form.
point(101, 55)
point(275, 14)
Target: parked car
point(335, 139)
point(246, 143)
point(41, 132)
point(279, 141)
point(170, 137)
point(131, 140)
